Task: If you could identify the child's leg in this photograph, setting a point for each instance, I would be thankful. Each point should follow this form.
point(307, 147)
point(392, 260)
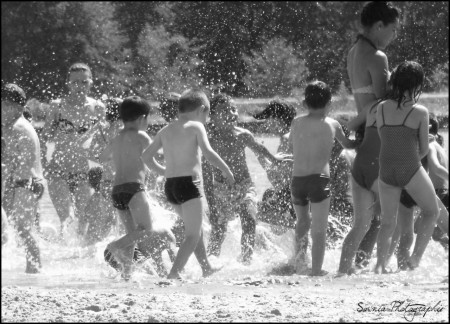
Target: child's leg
point(443, 217)
point(248, 223)
point(192, 215)
point(422, 191)
point(319, 215)
point(301, 234)
point(405, 223)
point(389, 199)
point(363, 199)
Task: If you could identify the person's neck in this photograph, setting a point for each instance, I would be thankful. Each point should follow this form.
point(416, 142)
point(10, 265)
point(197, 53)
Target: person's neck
point(189, 116)
point(76, 99)
point(369, 39)
point(318, 113)
point(132, 126)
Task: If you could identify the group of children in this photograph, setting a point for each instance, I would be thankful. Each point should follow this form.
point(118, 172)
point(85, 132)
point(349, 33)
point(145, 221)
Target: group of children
point(128, 152)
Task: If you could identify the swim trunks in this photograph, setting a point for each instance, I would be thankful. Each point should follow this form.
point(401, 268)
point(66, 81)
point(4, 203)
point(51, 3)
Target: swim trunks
point(313, 188)
point(229, 199)
point(35, 185)
point(122, 194)
point(181, 189)
point(73, 179)
point(399, 153)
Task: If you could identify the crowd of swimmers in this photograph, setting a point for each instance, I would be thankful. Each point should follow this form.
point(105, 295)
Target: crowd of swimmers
point(400, 163)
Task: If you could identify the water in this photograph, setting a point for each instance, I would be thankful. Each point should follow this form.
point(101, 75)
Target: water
point(68, 265)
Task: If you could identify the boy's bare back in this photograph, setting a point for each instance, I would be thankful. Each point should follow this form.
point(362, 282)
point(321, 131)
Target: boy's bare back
point(181, 141)
point(312, 139)
point(127, 148)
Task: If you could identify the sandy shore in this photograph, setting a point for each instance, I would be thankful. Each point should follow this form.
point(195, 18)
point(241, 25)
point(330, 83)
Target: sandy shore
point(362, 298)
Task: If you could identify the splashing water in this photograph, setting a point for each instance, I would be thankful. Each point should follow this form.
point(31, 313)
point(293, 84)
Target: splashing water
point(69, 265)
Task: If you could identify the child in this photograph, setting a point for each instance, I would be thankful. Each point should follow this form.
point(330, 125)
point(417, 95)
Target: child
point(22, 165)
point(403, 128)
point(230, 142)
point(312, 138)
point(128, 192)
point(180, 141)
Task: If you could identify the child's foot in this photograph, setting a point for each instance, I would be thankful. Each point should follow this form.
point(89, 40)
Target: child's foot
point(349, 272)
point(31, 268)
point(212, 270)
point(176, 276)
point(319, 273)
point(411, 264)
point(382, 270)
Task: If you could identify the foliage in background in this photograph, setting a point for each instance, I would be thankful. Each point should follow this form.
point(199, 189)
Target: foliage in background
point(149, 47)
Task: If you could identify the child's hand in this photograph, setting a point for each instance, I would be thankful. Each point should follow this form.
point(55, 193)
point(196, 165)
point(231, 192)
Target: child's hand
point(229, 176)
point(284, 157)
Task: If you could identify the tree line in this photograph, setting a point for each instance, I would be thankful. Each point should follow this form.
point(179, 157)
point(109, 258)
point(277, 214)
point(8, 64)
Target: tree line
point(245, 48)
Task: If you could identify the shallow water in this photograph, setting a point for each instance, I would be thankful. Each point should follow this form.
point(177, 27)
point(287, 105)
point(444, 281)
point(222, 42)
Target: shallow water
point(69, 266)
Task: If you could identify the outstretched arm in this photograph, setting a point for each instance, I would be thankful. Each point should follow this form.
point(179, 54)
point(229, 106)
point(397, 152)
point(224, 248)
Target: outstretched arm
point(211, 155)
point(148, 157)
point(260, 150)
point(340, 136)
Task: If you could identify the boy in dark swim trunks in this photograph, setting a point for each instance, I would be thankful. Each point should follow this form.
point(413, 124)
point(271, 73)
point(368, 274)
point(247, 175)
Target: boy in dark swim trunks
point(22, 165)
point(311, 138)
point(180, 141)
point(128, 193)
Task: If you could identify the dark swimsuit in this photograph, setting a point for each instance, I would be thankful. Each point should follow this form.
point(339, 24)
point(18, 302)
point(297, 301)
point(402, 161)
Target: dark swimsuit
point(181, 189)
point(314, 187)
point(399, 153)
point(366, 165)
point(122, 194)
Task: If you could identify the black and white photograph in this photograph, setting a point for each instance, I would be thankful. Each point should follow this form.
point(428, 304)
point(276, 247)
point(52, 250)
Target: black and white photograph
point(224, 161)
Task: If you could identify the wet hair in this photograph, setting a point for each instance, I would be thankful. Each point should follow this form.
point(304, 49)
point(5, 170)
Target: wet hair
point(133, 107)
point(317, 94)
point(79, 67)
point(406, 77)
point(379, 11)
point(191, 100)
point(112, 109)
point(433, 125)
point(278, 109)
point(219, 99)
point(13, 93)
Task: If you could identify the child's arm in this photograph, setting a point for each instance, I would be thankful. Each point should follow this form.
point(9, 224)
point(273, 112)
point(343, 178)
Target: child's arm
point(211, 155)
point(434, 165)
point(260, 150)
point(340, 136)
point(423, 132)
point(148, 157)
point(106, 154)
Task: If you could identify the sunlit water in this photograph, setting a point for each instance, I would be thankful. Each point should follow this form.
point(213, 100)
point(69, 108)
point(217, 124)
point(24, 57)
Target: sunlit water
point(68, 265)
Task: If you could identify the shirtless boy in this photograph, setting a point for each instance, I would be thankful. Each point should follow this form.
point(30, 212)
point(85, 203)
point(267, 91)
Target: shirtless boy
point(312, 137)
point(22, 163)
point(230, 141)
point(128, 193)
point(181, 140)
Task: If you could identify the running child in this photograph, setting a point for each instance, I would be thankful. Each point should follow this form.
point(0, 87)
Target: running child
point(312, 137)
point(230, 141)
point(403, 128)
point(128, 192)
point(181, 140)
point(22, 164)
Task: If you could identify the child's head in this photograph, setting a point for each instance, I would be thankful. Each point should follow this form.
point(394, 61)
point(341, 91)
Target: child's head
point(223, 110)
point(134, 108)
point(407, 77)
point(112, 109)
point(380, 18)
point(433, 127)
point(13, 102)
point(79, 78)
point(194, 100)
point(169, 106)
point(281, 112)
point(317, 95)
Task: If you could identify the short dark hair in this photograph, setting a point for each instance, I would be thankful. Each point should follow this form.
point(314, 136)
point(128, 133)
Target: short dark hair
point(317, 94)
point(79, 67)
point(191, 100)
point(221, 98)
point(12, 92)
point(133, 107)
point(278, 109)
point(379, 11)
